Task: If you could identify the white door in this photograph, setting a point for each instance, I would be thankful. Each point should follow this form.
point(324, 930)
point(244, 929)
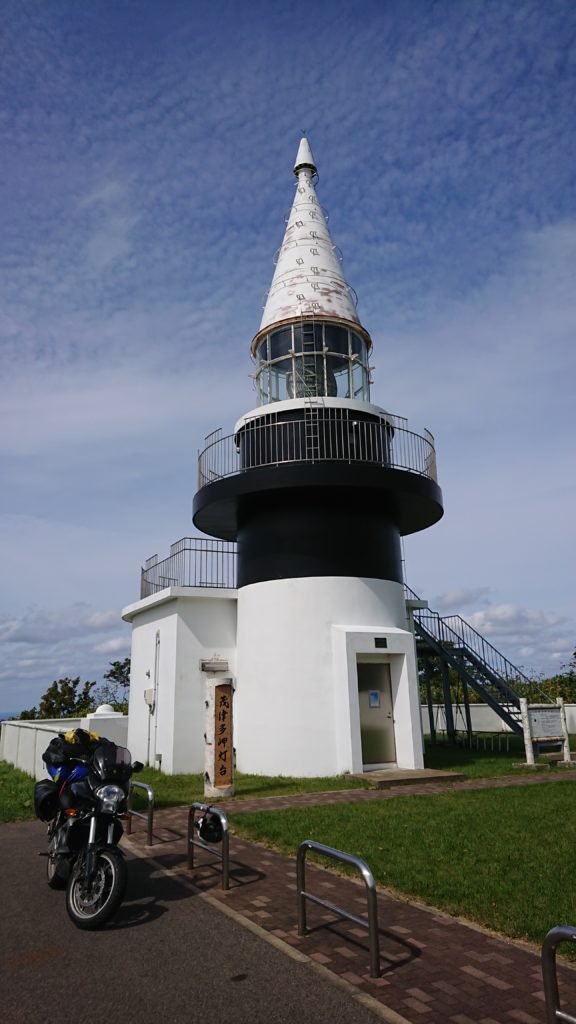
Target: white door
point(376, 714)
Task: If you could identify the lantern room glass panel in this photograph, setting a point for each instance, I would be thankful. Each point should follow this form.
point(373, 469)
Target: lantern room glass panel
point(312, 359)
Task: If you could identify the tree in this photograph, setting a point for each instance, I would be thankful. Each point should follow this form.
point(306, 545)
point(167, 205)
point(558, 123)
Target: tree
point(25, 716)
point(115, 690)
point(64, 699)
point(563, 684)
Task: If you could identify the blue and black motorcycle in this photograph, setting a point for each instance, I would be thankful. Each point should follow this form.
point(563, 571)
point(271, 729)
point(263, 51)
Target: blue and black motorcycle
point(82, 804)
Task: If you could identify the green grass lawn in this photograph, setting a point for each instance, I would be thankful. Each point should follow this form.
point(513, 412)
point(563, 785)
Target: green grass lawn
point(174, 790)
point(484, 763)
point(16, 789)
point(502, 858)
point(16, 794)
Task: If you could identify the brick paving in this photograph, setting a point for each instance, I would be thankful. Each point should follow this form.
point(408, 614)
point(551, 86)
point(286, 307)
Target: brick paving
point(435, 969)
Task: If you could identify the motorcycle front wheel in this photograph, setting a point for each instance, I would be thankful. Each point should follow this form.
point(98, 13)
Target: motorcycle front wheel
point(90, 906)
point(56, 872)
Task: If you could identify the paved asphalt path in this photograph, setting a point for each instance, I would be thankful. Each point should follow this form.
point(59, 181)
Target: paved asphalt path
point(167, 958)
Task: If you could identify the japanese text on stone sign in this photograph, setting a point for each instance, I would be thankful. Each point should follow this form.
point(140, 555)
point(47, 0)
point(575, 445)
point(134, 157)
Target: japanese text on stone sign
point(223, 742)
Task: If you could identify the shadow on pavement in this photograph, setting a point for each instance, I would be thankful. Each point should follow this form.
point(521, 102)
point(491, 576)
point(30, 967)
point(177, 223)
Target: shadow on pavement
point(389, 960)
point(147, 894)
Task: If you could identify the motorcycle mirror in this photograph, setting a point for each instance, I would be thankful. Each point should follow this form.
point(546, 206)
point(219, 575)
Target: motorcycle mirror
point(137, 766)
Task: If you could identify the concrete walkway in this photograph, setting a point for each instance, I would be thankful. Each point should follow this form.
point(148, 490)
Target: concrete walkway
point(167, 957)
point(434, 968)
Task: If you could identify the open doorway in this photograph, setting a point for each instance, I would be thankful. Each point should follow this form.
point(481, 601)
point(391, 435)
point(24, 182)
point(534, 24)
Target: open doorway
point(376, 715)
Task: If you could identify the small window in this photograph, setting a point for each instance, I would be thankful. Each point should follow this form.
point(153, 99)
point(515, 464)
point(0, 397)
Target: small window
point(336, 339)
point(280, 343)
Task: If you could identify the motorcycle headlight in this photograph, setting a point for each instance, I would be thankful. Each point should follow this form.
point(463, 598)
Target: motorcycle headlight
point(111, 796)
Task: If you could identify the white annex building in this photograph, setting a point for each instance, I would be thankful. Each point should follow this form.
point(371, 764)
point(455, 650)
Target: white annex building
point(298, 597)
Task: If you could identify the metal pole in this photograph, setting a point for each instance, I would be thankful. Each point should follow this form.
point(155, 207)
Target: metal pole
point(347, 858)
point(150, 815)
point(373, 928)
point(566, 743)
point(428, 683)
point(300, 888)
point(549, 975)
point(528, 744)
point(450, 731)
point(137, 814)
point(225, 848)
point(467, 711)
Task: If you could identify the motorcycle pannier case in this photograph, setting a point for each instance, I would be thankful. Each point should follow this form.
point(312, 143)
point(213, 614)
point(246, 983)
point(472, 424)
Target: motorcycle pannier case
point(46, 800)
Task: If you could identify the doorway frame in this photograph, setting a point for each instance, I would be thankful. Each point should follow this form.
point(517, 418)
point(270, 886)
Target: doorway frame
point(367, 659)
point(351, 644)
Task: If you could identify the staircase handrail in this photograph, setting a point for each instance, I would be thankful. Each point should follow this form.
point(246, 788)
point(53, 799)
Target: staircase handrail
point(451, 645)
point(479, 644)
point(503, 709)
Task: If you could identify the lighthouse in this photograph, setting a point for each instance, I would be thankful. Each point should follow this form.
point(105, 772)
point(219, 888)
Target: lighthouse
point(317, 485)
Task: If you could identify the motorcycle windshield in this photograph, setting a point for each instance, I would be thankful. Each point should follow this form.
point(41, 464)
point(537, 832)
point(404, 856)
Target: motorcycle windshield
point(112, 762)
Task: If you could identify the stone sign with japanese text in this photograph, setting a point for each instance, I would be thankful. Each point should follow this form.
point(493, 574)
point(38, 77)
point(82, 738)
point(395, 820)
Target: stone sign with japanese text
point(223, 737)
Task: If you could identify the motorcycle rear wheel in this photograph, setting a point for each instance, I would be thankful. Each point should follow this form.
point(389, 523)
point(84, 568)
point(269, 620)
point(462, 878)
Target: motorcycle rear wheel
point(56, 873)
point(90, 908)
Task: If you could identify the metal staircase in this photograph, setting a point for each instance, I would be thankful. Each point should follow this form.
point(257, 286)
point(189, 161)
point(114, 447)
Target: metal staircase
point(479, 665)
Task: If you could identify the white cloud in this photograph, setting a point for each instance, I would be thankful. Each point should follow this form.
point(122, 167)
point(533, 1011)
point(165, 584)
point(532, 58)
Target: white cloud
point(459, 597)
point(45, 645)
point(510, 619)
point(39, 626)
point(56, 412)
point(102, 620)
point(527, 636)
point(111, 241)
point(116, 645)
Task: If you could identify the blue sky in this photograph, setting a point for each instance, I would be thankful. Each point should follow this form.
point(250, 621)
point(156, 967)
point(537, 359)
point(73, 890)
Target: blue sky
point(146, 165)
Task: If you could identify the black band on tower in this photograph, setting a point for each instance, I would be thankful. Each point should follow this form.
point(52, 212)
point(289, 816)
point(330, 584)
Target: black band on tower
point(327, 532)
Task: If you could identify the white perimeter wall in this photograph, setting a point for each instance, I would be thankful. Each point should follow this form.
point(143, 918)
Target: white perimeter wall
point(296, 683)
point(484, 719)
point(192, 624)
point(23, 743)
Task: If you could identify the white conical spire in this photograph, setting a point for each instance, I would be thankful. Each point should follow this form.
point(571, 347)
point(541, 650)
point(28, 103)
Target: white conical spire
point(304, 157)
point(308, 280)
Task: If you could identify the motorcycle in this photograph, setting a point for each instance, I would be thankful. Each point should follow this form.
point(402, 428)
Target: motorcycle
point(82, 805)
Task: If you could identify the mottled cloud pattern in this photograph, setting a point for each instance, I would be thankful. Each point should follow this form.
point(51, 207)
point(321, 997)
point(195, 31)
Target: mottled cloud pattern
point(147, 153)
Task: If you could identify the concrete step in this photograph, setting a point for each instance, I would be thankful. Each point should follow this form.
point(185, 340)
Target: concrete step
point(385, 777)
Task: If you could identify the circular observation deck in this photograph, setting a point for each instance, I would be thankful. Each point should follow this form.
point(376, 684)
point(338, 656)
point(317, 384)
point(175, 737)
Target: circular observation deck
point(332, 454)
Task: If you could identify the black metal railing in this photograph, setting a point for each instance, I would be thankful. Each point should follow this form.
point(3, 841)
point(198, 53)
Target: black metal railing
point(192, 562)
point(323, 435)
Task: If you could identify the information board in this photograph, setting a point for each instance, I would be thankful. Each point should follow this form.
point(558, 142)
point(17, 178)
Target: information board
point(545, 723)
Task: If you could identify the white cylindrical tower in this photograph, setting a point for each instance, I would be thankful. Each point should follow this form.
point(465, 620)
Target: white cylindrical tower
point(317, 486)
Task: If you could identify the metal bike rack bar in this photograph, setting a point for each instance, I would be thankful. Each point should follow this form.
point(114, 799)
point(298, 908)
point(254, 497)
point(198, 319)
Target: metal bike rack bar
point(191, 842)
point(148, 816)
point(553, 939)
point(346, 858)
